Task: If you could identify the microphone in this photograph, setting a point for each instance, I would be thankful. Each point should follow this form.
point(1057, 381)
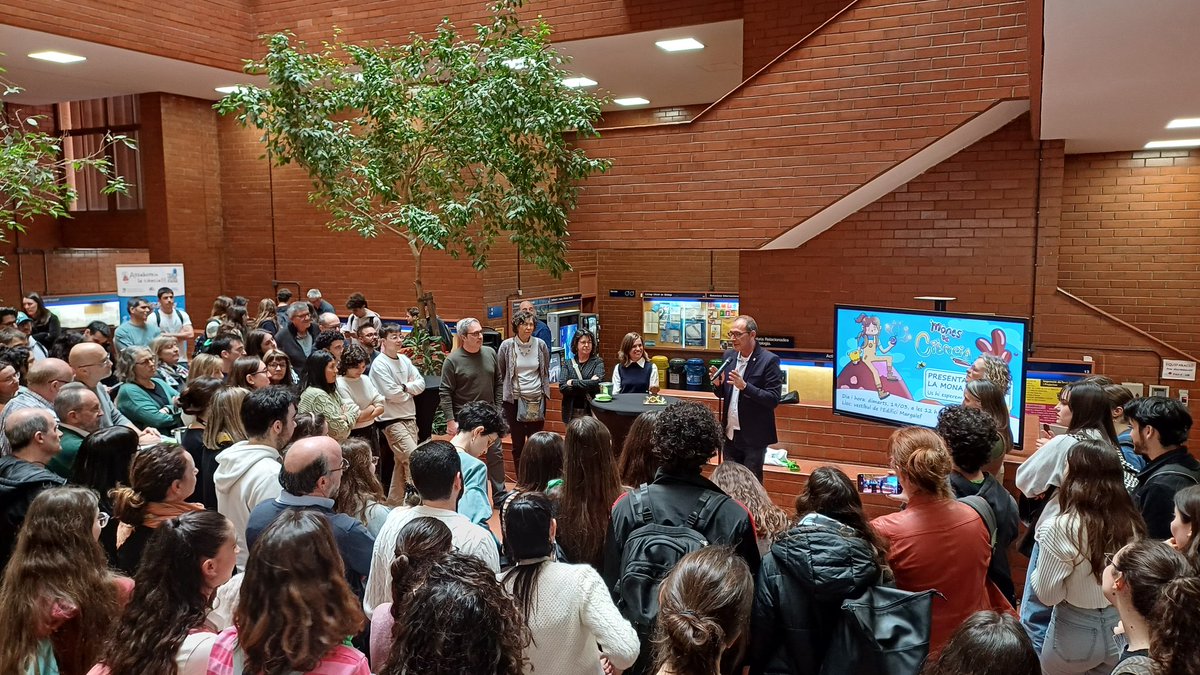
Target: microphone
point(713, 379)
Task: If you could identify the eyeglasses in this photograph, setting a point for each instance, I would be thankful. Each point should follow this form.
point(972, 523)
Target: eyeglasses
point(345, 465)
point(106, 361)
point(474, 333)
point(146, 362)
point(735, 334)
point(102, 519)
point(264, 371)
point(277, 366)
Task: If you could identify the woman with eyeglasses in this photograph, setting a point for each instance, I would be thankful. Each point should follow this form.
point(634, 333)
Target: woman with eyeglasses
point(1097, 516)
point(279, 368)
point(361, 494)
point(10, 383)
point(161, 478)
point(1133, 582)
point(581, 376)
point(58, 599)
point(524, 365)
point(146, 400)
point(250, 373)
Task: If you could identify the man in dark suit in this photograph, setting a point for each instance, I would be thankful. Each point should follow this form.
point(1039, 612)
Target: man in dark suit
point(749, 384)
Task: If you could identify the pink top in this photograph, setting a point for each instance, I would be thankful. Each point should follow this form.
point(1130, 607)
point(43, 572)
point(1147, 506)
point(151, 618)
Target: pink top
point(341, 660)
point(381, 635)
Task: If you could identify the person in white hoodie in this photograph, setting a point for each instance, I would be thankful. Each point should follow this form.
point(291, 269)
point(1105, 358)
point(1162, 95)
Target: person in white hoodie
point(248, 472)
point(398, 380)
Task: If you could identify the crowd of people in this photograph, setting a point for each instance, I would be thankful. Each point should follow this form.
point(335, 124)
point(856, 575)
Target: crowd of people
point(256, 496)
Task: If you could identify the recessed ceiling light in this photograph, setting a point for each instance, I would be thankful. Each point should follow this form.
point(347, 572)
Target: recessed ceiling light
point(1184, 123)
point(632, 100)
point(576, 82)
point(230, 89)
point(57, 57)
point(516, 64)
point(1180, 143)
point(681, 45)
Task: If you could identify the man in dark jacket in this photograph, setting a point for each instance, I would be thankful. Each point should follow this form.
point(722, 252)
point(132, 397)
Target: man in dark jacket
point(311, 475)
point(35, 439)
point(802, 583)
point(749, 385)
point(971, 434)
point(296, 337)
point(685, 437)
point(1159, 429)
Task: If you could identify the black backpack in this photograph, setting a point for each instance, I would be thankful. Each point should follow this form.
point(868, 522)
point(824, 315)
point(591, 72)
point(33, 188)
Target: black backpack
point(652, 550)
point(884, 631)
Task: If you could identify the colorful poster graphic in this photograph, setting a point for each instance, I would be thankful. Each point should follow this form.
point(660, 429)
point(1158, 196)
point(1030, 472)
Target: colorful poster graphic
point(902, 366)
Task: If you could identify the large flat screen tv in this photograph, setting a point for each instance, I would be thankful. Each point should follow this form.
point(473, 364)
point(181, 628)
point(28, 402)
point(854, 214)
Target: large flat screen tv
point(902, 366)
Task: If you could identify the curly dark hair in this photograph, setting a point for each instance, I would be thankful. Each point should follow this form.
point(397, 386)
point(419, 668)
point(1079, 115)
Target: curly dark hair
point(988, 637)
point(169, 596)
point(969, 433)
point(152, 471)
point(420, 546)
point(295, 604)
point(685, 436)
point(460, 621)
point(1174, 626)
point(705, 605)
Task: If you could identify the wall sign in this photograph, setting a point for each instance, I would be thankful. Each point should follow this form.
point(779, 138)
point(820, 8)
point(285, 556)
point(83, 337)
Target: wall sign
point(777, 341)
point(622, 293)
point(1178, 369)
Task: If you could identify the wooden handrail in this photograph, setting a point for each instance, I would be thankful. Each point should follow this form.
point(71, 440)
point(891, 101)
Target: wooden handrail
point(1126, 324)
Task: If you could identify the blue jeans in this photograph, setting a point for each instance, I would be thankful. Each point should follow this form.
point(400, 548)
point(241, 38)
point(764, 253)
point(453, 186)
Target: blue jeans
point(1080, 641)
point(1035, 617)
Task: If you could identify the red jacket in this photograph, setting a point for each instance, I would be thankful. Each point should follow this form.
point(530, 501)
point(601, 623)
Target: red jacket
point(944, 545)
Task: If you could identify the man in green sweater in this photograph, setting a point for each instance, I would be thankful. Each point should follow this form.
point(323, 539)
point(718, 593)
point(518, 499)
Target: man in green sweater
point(79, 414)
point(471, 374)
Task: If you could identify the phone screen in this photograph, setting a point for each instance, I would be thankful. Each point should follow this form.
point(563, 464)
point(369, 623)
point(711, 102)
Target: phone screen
point(886, 484)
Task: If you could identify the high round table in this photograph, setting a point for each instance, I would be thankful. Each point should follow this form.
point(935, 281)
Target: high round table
point(619, 413)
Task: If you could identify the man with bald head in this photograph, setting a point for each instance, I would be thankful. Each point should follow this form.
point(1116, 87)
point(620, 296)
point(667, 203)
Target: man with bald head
point(43, 381)
point(33, 435)
point(311, 475)
point(92, 365)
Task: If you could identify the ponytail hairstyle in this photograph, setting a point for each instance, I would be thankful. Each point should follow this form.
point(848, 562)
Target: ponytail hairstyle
point(152, 471)
point(1187, 503)
point(170, 598)
point(1146, 566)
point(832, 494)
point(525, 523)
point(422, 542)
point(704, 606)
point(1174, 627)
point(921, 457)
point(1093, 490)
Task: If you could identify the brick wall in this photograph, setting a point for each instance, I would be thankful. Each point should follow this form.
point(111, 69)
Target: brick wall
point(866, 92)
point(772, 26)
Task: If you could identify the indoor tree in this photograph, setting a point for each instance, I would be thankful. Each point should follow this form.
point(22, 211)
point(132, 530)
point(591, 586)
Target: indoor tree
point(32, 166)
point(447, 141)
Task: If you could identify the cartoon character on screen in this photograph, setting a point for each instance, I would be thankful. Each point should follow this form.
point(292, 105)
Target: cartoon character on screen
point(871, 353)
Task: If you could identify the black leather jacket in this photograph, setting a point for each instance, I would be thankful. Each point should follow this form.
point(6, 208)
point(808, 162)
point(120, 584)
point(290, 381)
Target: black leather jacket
point(805, 577)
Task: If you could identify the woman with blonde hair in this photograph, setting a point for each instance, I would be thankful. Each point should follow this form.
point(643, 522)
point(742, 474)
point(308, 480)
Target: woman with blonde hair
point(223, 427)
point(934, 523)
point(268, 317)
point(738, 482)
point(205, 365)
point(220, 309)
point(58, 599)
point(171, 367)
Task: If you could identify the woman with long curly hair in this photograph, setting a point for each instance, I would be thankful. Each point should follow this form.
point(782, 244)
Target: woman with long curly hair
point(704, 609)
point(590, 486)
point(1184, 536)
point(1174, 627)
point(831, 555)
point(164, 630)
point(459, 621)
point(638, 463)
point(161, 478)
point(421, 544)
point(1097, 517)
point(295, 607)
point(361, 494)
point(58, 600)
point(739, 482)
point(568, 609)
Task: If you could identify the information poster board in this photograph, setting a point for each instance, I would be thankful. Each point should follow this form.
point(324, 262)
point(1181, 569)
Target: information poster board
point(143, 281)
point(688, 320)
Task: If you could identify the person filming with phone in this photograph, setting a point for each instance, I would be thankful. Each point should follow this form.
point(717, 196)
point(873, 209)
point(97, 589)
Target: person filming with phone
point(749, 385)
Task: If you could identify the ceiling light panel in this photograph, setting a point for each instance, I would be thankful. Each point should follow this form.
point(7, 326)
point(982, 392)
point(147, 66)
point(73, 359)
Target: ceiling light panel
point(632, 100)
point(1184, 123)
point(680, 45)
point(1179, 143)
point(577, 82)
point(57, 57)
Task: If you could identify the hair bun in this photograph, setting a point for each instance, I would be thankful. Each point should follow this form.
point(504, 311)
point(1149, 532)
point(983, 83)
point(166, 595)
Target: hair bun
point(690, 630)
